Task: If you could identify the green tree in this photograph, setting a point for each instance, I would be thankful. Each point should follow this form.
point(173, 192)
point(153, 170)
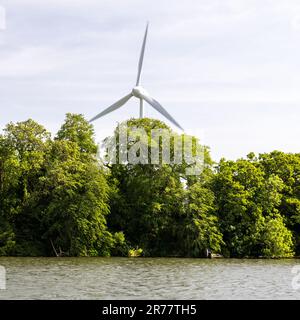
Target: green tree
point(148, 204)
point(287, 167)
point(25, 144)
point(54, 194)
point(200, 227)
point(9, 175)
point(276, 238)
point(80, 131)
point(247, 199)
point(56, 197)
point(74, 203)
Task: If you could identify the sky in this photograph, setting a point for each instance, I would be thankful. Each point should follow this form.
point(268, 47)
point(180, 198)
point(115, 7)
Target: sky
point(227, 71)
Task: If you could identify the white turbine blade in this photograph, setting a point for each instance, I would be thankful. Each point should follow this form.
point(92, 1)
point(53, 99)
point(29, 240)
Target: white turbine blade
point(113, 107)
point(157, 106)
point(142, 56)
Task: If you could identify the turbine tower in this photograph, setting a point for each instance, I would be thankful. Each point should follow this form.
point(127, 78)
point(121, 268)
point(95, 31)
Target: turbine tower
point(139, 92)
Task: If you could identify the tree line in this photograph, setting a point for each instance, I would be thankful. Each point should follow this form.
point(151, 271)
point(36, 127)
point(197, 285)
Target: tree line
point(57, 198)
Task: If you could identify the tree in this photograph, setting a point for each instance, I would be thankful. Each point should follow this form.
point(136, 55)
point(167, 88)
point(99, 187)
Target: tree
point(9, 175)
point(78, 130)
point(276, 238)
point(54, 194)
point(247, 201)
point(25, 144)
point(287, 167)
point(74, 203)
point(56, 197)
point(200, 226)
point(149, 199)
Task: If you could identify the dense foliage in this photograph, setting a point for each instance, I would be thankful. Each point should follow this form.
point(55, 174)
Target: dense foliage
point(57, 198)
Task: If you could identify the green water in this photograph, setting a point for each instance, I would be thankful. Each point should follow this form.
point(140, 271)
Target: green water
point(148, 278)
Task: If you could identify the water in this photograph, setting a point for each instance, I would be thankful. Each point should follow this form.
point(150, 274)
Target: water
point(148, 278)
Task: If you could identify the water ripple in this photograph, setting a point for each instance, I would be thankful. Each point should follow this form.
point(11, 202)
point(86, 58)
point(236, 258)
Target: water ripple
point(147, 278)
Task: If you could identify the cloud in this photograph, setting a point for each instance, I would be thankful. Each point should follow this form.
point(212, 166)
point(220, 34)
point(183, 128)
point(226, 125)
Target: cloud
point(29, 61)
point(2, 18)
point(202, 58)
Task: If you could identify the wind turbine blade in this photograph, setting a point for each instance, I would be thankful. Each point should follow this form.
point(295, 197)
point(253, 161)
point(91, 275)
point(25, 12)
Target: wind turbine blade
point(157, 106)
point(142, 56)
point(113, 107)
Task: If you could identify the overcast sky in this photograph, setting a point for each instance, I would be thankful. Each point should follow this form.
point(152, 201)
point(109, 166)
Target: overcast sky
point(226, 70)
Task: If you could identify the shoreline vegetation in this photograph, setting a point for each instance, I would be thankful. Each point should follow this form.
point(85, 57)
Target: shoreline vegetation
point(58, 199)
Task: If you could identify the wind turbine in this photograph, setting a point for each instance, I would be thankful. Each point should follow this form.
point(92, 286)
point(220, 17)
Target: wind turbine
point(139, 92)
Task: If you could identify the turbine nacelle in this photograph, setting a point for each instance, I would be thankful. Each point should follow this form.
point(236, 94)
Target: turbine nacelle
point(139, 92)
